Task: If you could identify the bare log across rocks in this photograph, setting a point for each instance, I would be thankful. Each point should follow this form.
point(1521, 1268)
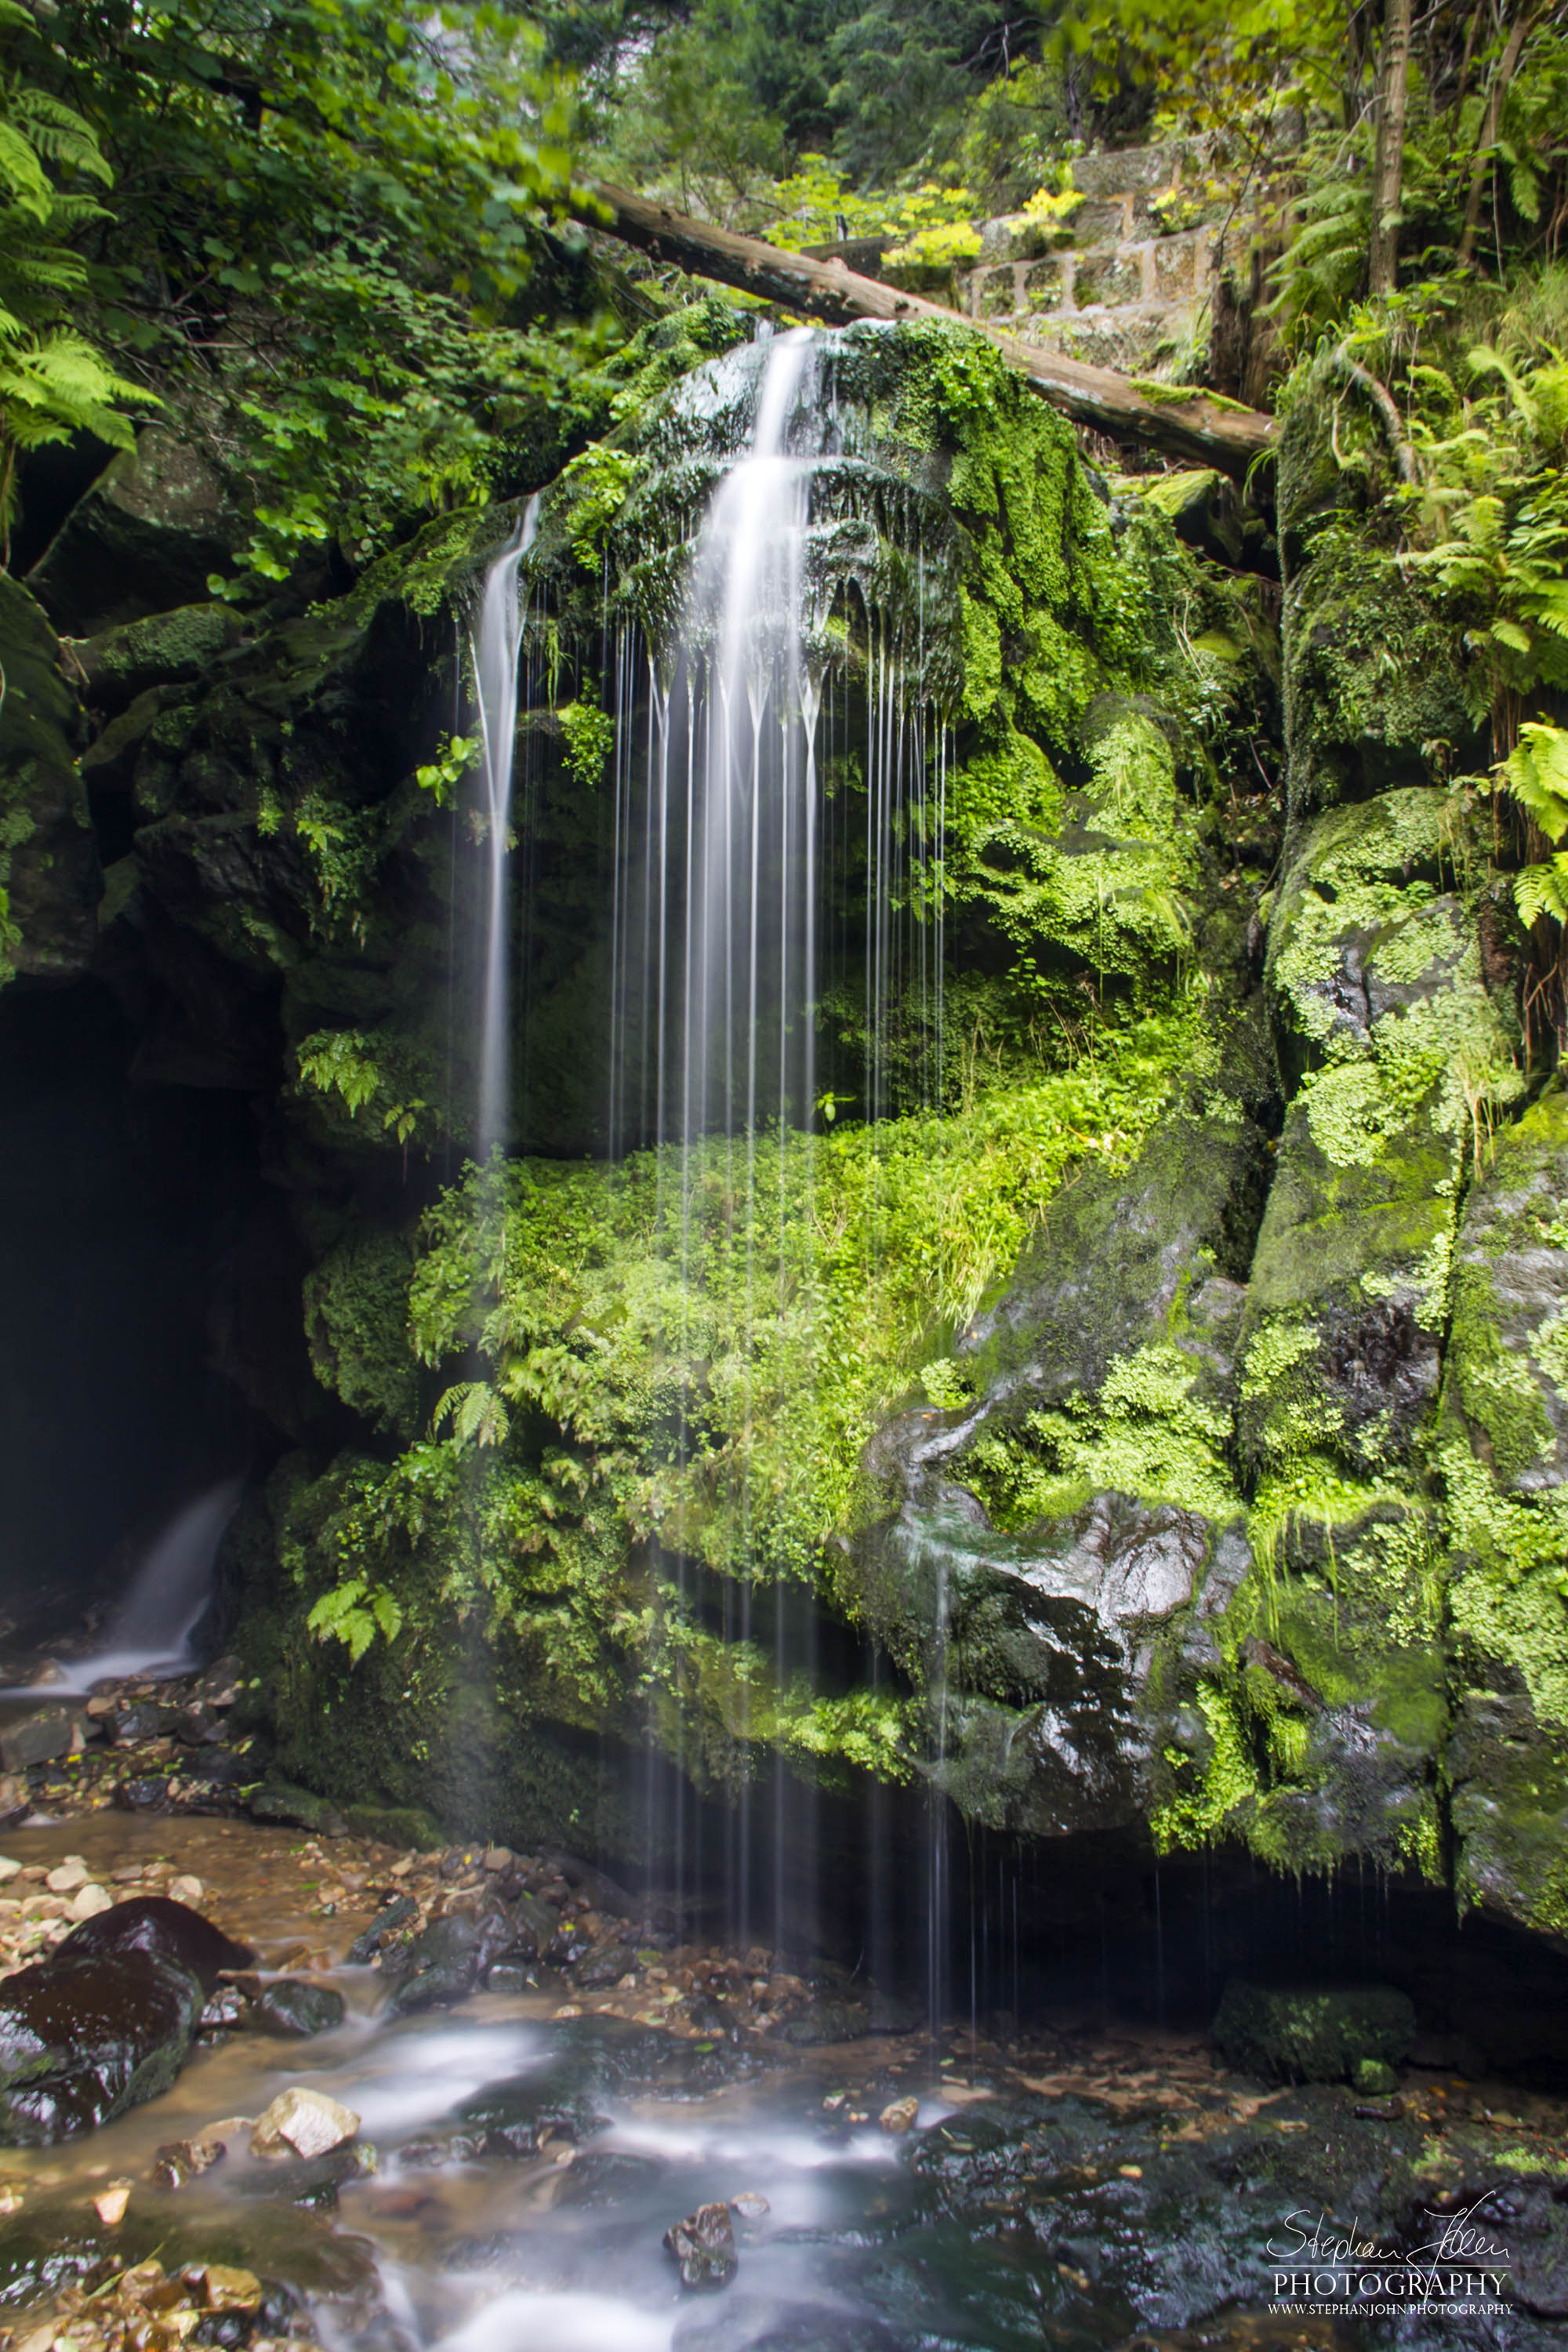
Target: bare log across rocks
point(1201, 430)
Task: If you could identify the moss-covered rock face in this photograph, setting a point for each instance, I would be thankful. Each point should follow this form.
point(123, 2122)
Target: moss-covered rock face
point(1147, 1423)
point(1503, 1460)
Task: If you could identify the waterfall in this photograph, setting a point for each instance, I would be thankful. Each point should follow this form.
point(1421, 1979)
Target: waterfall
point(150, 1633)
point(495, 646)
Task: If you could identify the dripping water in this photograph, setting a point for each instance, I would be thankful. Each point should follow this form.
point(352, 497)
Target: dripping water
point(495, 648)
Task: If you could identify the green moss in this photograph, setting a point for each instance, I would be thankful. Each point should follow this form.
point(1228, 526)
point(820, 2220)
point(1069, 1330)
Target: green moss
point(356, 1321)
point(1374, 674)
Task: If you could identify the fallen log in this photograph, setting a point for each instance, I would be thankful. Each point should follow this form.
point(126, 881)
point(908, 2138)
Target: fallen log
point(1201, 430)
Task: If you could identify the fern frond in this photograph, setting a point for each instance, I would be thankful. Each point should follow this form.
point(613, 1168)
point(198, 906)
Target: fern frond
point(478, 1415)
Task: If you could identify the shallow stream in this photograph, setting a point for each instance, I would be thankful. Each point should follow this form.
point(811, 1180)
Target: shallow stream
point(521, 2157)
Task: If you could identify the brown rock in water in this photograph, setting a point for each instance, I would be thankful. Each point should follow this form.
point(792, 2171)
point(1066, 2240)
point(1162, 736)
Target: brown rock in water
point(179, 2160)
point(304, 2122)
point(704, 2246)
point(899, 2116)
point(170, 1931)
point(83, 2036)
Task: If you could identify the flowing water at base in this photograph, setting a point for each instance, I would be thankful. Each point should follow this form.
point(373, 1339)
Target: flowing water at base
point(1050, 2191)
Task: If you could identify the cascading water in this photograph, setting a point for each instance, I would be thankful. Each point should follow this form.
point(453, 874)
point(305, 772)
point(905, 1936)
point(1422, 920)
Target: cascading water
point(496, 647)
point(777, 775)
point(735, 862)
point(151, 1631)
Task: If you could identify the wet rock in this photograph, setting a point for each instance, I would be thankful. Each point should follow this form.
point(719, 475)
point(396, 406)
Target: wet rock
point(167, 649)
point(607, 2177)
point(388, 1920)
point(826, 2018)
point(54, 880)
point(280, 1800)
point(1311, 2034)
point(307, 2122)
point(439, 1968)
point(899, 2116)
point(37, 1739)
point(142, 1793)
point(605, 1966)
point(704, 2246)
point(135, 1722)
point(182, 2160)
point(534, 1926)
point(223, 2289)
point(85, 2035)
point(514, 2119)
point(293, 2008)
point(168, 1931)
point(509, 1975)
point(603, 1892)
point(15, 1802)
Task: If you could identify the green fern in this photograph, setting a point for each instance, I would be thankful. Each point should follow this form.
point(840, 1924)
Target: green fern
point(1536, 773)
point(478, 1415)
point(54, 381)
point(353, 1612)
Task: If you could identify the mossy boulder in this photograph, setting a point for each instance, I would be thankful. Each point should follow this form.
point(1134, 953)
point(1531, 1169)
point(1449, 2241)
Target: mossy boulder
point(1311, 2034)
point(1059, 1545)
point(160, 519)
point(1504, 1463)
point(176, 648)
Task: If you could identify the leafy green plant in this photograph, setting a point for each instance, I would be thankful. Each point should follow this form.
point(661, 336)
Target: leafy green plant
point(355, 1612)
point(455, 756)
point(53, 381)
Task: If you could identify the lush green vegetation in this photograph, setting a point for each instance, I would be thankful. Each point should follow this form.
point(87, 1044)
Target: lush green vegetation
point(333, 238)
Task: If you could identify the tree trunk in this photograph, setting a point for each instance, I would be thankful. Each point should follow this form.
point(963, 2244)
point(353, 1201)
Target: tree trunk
point(1388, 170)
point(1491, 124)
point(1200, 429)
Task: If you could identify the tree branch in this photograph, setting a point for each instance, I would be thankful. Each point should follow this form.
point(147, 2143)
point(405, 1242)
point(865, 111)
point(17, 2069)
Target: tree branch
point(1200, 429)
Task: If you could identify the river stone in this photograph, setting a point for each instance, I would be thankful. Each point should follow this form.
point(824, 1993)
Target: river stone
point(437, 1968)
point(85, 2035)
point(1313, 2034)
point(171, 1931)
point(293, 2008)
point(826, 2020)
point(605, 1965)
point(306, 2121)
point(36, 1740)
point(534, 1926)
point(392, 1916)
point(704, 2246)
point(509, 1975)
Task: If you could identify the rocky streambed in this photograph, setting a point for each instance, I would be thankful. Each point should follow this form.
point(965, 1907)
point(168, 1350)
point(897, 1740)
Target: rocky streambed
point(391, 2130)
